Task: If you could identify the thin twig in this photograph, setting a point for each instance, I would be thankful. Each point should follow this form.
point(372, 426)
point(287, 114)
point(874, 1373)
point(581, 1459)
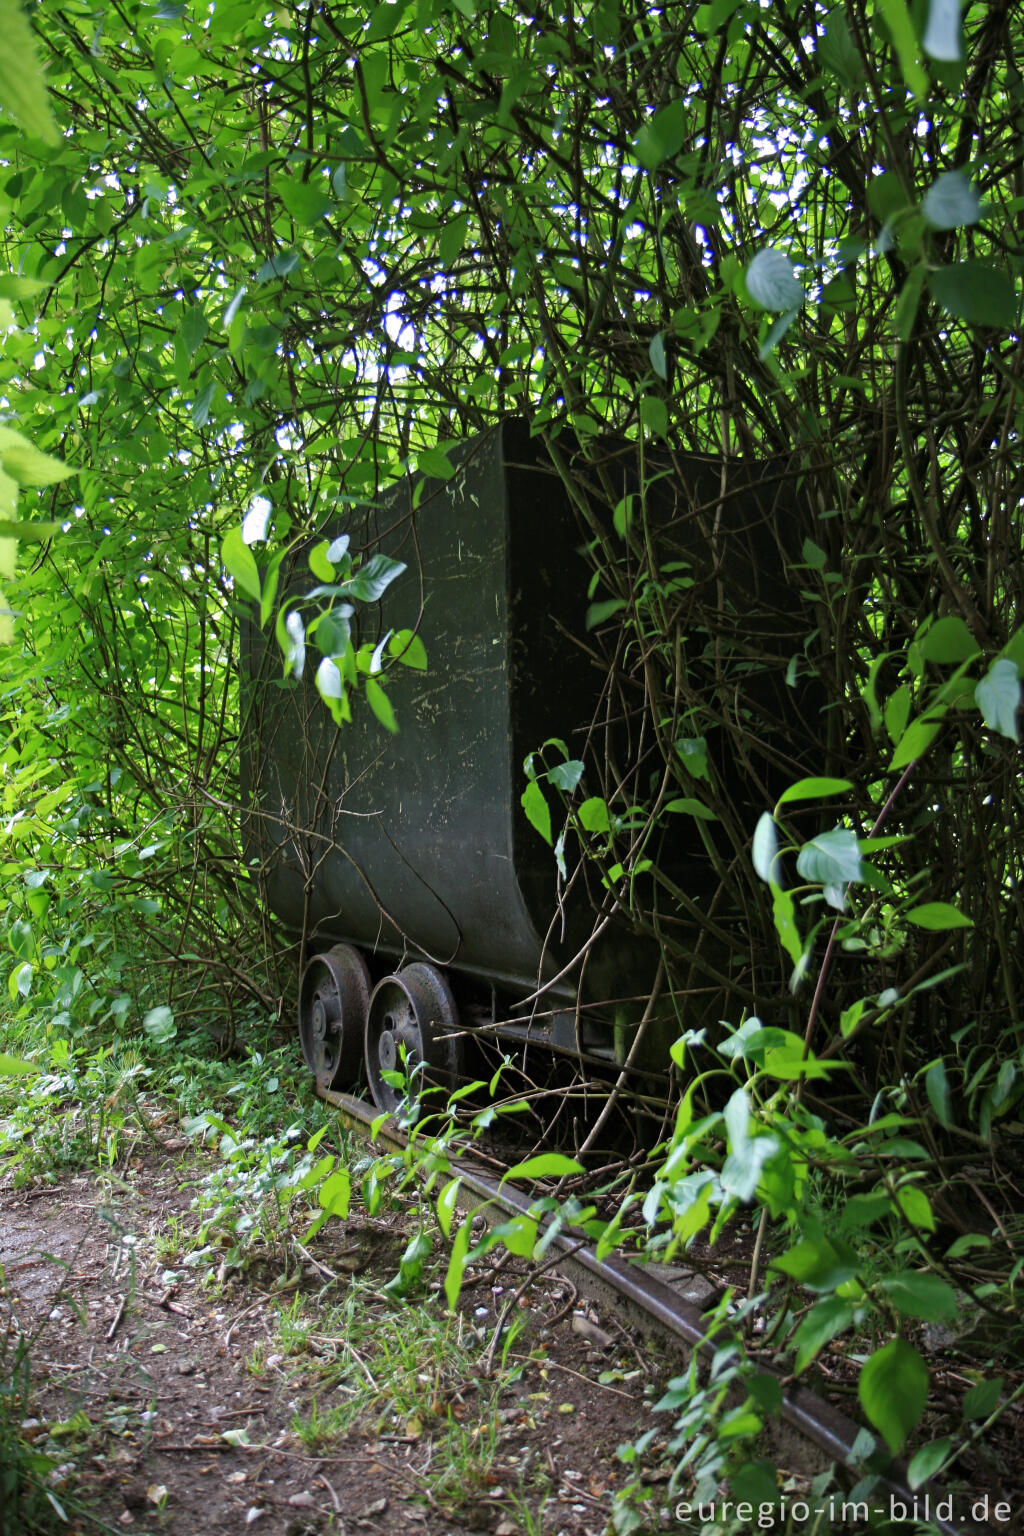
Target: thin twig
point(118, 1315)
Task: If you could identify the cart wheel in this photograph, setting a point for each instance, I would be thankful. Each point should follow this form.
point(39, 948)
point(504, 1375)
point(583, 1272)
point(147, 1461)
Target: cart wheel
point(334, 997)
point(413, 1008)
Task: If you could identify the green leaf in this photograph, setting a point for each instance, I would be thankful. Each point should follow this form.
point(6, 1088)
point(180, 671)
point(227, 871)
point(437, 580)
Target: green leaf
point(446, 1205)
point(19, 982)
point(372, 580)
point(948, 641)
point(939, 916)
point(597, 613)
point(904, 38)
point(547, 1165)
point(435, 463)
point(893, 1390)
point(772, 281)
point(306, 201)
point(278, 265)
point(951, 202)
point(518, 1235)
point(818, 1263)
point(814, 789)
point(838, 51)
point(408, 648)
point(333, 632)
point(22, 940)
point(784, 919)
point(380, 704)
point(920, 1295)
point(909, 301)
point(662, 136)
point(886, 196)
point(914, 742)
point(14, 1066)
point(335, 1193)
point(22, 86)
point(654, 416)
point(566, 775)
point(319, 564)
point(159, 1024)
point(29, 533)
point(982, 1399)
point(682, 805)
point(656, 353)
point(943, 33)
point(594, 815)
point(998, 695)
point(536, 807)
point(825, 1319)
point(193, 329)
point(765, 847)
point(26, 464)
point(453, 237)
point(13, 286)
point(240, 563)
point(814, 555)
point(916, 1207)
point(457, 1265)
point(976, 292)
point(831, 858)
point(928, 1462)
point(936, 1084)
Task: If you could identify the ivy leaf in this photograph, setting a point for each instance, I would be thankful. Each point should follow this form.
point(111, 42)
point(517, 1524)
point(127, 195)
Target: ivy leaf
point(893, 1390)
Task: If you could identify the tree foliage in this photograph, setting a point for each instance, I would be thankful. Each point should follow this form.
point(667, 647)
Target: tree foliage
point(273, 259)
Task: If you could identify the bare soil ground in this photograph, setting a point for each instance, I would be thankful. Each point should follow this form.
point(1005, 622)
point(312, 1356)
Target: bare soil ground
point(172, 1407)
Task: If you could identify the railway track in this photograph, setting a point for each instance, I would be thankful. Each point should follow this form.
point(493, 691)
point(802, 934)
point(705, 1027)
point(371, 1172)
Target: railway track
point(658, 1308)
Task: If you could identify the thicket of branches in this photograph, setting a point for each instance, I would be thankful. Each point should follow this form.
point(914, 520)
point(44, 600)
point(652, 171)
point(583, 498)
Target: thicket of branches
point(292, 254)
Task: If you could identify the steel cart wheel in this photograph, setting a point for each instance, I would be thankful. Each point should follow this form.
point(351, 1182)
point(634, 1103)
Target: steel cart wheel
point(334, 998)
point(413, 1008)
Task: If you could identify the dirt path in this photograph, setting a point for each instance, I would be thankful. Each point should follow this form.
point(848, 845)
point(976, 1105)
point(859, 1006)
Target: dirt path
point(172, 1407)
